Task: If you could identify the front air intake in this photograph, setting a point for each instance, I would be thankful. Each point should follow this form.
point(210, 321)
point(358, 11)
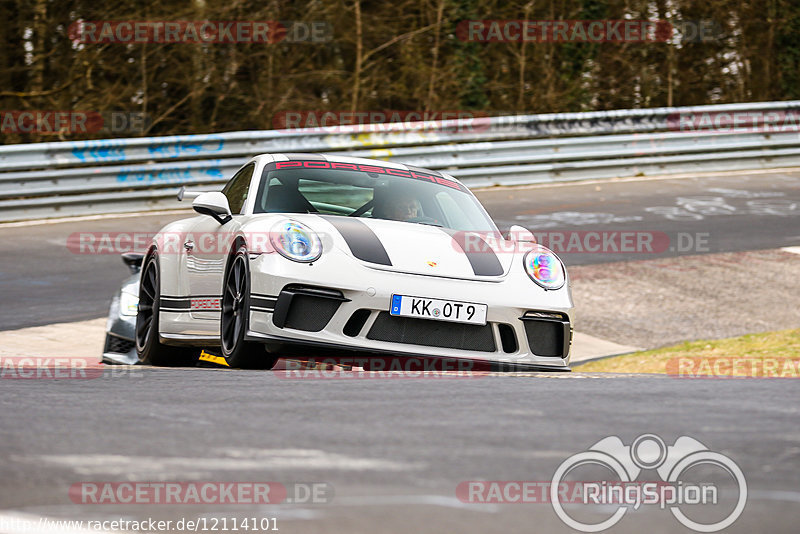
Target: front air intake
point(306, 308)
point(548, 333)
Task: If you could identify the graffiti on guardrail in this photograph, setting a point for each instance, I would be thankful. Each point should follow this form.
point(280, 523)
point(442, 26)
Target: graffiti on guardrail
point(104, 150)
point(201, 145)
point(595, 125)
point(172, 176)
point(163, 148)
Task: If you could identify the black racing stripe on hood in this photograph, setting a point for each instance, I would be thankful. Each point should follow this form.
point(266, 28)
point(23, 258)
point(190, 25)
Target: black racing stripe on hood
point(363, 242)
point(484, 261)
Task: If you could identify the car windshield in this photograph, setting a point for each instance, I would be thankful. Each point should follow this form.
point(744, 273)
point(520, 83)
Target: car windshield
point(374, 192)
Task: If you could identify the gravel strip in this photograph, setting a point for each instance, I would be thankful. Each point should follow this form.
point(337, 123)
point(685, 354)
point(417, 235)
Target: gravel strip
point(655, 303)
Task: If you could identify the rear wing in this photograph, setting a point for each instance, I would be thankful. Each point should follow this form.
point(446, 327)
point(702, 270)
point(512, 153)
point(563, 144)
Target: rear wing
point(184, 193)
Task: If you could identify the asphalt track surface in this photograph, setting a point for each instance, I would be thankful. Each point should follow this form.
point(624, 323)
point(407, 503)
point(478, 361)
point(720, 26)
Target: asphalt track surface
point(393, 450)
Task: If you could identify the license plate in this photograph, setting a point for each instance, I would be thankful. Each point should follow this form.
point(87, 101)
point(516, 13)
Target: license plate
point(438, 310)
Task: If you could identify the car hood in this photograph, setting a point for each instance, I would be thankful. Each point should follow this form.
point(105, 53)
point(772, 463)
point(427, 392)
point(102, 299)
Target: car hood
point(415, 248)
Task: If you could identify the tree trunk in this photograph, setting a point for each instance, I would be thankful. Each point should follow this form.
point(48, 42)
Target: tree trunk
point(359, 54)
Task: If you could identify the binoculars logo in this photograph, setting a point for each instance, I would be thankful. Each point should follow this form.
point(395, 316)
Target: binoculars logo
point(648, 452)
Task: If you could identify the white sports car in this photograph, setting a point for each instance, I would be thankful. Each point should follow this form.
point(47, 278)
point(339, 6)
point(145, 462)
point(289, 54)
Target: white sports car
point(321, 255)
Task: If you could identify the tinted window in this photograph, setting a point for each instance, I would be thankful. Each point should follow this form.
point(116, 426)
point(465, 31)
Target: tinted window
point(377, 195)
point(236, 189)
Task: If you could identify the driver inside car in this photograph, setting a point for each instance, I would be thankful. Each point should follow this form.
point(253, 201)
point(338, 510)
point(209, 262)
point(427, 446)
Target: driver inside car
point(403, 208)
point(397, 206)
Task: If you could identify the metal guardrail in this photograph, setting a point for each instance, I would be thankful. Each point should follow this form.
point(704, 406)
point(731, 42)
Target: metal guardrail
point(45, 180)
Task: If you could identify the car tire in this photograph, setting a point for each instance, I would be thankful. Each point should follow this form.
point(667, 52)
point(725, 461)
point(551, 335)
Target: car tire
point(235, 315)
point(149, 348)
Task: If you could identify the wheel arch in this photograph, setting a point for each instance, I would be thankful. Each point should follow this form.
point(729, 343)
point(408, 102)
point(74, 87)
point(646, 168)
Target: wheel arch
point(238, 241)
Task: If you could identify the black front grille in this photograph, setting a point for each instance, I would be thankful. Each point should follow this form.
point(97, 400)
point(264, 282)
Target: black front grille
point(118, 345)
point(432, 333)
point(306, 308)
point(310, 314)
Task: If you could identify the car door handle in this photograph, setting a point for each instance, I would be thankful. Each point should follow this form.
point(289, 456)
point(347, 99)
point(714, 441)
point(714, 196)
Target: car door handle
point(189, 245)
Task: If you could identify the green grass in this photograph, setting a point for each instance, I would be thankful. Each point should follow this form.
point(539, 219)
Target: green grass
point(767, 354)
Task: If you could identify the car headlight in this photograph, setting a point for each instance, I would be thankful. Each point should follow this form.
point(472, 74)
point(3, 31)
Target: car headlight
point(128, 304)
point(295, 241)
point(544, 268)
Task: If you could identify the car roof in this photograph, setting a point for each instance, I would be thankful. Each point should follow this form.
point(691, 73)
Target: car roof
point(338, 158)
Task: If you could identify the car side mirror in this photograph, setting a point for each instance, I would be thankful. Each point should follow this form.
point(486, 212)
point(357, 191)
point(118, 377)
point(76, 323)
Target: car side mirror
point(214, 204)
point(133, 260)
point(521, 235)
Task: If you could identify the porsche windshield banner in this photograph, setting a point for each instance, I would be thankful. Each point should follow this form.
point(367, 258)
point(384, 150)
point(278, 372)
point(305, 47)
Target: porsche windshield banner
point(372, 169)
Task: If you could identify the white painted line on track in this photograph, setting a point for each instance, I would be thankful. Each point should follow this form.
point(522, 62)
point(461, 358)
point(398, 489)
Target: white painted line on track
point(124, 215)
point(248, 460)
point(770, 495)
point(793, 250)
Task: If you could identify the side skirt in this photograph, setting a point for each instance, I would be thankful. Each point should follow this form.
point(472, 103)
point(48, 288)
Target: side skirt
point(188, 340)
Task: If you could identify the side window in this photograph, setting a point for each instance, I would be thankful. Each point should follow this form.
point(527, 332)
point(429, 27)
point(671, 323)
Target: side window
point(236, 188)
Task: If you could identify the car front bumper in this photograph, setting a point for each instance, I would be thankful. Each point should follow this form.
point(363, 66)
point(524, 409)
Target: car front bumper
point(120, 344)
point(303, 308)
